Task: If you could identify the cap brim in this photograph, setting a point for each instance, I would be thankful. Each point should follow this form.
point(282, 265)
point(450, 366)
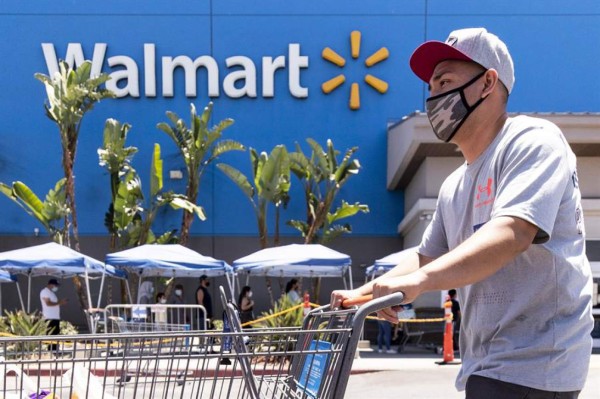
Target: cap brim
point(425, 58)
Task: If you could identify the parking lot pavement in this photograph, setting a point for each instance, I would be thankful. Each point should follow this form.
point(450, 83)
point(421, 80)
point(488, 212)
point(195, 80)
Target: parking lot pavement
point(415, 374)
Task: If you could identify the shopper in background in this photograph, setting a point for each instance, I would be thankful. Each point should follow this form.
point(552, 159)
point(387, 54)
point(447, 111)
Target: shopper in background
point(51, 308)
point(292, 291)
point(246, 305)
point(178, 315)
point(384, 336)
point(203, 298)
point(160, 312)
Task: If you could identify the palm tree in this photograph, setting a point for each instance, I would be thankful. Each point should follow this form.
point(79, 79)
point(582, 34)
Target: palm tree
point(71, 93)
point(323, 177)
point(199, 147)
point(271, 178)
point(116, 158)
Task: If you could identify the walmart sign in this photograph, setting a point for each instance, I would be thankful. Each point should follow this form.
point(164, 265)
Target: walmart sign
point(237, 83)
point(240, 79)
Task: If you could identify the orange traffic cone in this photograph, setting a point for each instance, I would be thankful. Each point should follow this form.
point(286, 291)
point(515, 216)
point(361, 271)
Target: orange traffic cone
point(448, 335)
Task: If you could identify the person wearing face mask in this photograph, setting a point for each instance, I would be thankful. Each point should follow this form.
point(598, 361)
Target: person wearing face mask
point(160, 313)
point(51, 308)
point(246, 305)
point(507, 230)
point(178, 315)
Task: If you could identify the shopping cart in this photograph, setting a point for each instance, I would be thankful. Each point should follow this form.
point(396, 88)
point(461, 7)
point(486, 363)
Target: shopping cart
point(312, 361)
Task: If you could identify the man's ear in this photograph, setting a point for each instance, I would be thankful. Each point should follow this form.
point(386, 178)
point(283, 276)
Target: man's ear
point(489, 83)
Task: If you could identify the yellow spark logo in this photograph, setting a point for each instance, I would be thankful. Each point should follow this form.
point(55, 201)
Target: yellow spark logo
point(336, 59)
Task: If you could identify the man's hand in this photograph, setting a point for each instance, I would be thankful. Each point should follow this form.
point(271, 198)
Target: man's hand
point(410, 285)
point(63, 301)
point(338, 296)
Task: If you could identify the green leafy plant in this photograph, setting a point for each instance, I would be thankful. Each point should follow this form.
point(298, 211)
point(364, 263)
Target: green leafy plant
point(323, 177)
point(67, 328)
point(50, 213)
point(282, 343)
point(129, 218)
point(291, 318)
point(271, 184)
point(24, 324)
point(199, 145)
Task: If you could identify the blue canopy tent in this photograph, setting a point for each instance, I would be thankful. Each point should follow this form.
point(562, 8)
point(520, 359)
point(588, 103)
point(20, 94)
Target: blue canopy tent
point(296, 260)
point(169, 260)
point(52, 259)
point(385, 264)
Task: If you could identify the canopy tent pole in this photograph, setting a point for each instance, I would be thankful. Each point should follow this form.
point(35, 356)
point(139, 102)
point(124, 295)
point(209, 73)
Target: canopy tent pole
point(231, 286)
point(350, 276)
point(87, 284)
point(20, 297)
point(128, 291)
point(29, 293)
point(101, 287)
point(138, 289)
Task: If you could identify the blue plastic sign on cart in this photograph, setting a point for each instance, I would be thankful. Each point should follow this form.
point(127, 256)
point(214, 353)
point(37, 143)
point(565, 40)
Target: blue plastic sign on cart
point(314, 368)
point(226, 340)
point(226, 329)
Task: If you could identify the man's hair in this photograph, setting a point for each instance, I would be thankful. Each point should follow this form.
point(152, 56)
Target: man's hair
point(452, 292)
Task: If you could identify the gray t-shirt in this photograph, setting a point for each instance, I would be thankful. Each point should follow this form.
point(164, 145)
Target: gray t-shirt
point(529, 323)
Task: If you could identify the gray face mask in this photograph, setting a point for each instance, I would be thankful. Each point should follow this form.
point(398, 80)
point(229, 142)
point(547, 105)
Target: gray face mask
point(448, 111)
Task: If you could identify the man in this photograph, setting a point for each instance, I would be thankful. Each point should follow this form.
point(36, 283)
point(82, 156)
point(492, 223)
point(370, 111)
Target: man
point(51, 308)
point(203, 298)
point(508, 230)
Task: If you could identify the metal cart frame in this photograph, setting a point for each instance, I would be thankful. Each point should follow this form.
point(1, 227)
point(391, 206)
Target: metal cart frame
point(312, 361)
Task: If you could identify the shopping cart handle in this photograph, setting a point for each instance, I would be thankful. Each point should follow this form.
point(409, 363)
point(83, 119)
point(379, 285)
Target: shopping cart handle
point(361, 300)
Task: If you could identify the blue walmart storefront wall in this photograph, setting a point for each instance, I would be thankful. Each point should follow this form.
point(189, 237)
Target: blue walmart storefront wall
point(554, 49)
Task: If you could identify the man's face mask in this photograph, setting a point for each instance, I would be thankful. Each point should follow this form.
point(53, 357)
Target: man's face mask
point(448, 111)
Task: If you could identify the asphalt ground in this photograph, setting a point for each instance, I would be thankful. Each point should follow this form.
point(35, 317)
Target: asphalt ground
point(415, 374)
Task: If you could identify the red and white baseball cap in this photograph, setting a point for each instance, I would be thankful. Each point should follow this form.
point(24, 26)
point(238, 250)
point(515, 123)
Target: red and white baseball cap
point(471, 44)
